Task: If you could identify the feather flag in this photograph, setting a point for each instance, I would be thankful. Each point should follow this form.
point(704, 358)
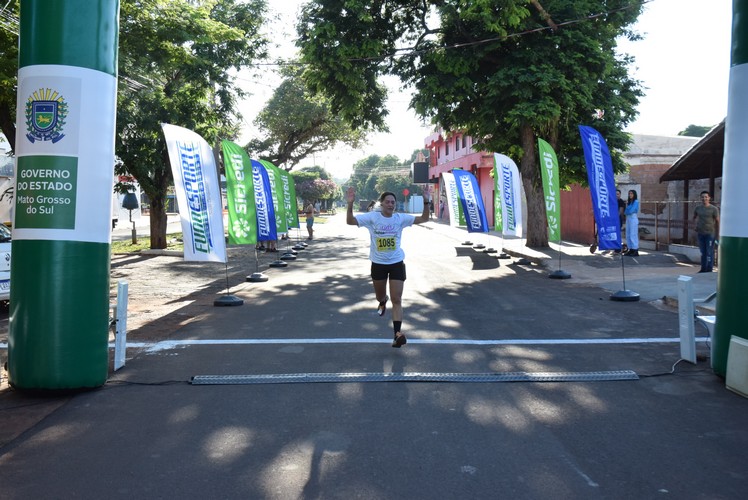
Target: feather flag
point(510, 188)
point(468, 192)
point(242, 217)
point(549, 173)
point(266, 229)
point(602, 188)
point(198, 194)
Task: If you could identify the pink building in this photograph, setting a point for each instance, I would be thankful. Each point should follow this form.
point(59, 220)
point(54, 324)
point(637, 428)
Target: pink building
point(455, 151)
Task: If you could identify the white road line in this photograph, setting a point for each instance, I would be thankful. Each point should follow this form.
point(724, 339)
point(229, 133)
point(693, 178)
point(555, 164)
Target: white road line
point(172, 344)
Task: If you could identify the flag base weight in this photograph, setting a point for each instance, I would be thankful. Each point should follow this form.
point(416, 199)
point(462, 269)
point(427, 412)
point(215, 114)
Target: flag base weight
point(523, 262)
point(228, 301)
point(278, 263)
point(559, 275)
point(625, 296)
point(489, 250)
point(257, 278)
point(502, 255)
point(480, 246)
point(288, 256)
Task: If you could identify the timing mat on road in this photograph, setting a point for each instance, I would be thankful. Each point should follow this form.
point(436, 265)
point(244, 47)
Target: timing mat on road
point(315, 378)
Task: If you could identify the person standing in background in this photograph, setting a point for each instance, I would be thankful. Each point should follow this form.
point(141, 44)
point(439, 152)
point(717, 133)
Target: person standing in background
point(706, 216)
point(309, 212)
point(621, 214)
point(632, 225)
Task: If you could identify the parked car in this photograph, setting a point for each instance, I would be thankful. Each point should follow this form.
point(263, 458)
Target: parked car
point(5, 244)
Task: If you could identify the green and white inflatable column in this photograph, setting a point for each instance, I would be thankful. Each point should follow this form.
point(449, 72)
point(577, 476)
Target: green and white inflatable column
point(732, 288)
point(67, 89)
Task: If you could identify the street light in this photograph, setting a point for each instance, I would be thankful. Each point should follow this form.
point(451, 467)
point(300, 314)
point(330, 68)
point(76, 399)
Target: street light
point(130, 202)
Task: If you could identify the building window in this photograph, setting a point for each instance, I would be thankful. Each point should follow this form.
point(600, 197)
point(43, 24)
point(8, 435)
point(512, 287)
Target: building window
point(457, 144)
point(446, 147)
point(464, 141)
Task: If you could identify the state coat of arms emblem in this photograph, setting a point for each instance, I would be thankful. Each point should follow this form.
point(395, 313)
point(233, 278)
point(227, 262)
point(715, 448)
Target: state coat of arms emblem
point(46, 111)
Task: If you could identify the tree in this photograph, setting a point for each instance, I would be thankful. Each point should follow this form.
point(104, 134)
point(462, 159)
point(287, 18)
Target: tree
point(296, 124)
point(9, 71)
point(695, 130)
point(315, 172)
point(416, 152)
point(304, 183)
point(367, 171)
point(396, 184)
point(317, 189)
point(177, 58)
point(503, 71)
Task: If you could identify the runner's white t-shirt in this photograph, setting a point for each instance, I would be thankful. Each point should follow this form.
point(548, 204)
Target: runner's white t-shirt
point(385, 235)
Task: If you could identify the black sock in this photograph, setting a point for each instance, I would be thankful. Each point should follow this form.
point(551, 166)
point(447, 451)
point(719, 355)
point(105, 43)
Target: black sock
point(396, 326)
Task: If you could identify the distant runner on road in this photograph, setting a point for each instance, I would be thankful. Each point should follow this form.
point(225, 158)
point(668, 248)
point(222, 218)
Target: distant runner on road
point(385, 229)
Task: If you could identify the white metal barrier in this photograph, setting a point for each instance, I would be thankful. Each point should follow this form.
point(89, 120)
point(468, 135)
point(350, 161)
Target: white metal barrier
point(119, 311)
point(687, 316)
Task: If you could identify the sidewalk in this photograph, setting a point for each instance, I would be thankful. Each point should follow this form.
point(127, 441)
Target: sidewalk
point(653, 274)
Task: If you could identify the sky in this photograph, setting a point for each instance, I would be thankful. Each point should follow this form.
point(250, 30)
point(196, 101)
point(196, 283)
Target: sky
point(683, 63)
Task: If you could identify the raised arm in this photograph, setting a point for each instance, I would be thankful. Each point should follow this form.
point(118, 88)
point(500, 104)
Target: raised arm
point(350, 197)
point(424, 217)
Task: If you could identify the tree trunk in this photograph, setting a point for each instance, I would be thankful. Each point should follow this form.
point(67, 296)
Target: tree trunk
point(537, 226)
point(158, 222)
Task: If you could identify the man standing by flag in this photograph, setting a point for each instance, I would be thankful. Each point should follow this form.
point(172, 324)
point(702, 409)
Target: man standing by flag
point(385, 229)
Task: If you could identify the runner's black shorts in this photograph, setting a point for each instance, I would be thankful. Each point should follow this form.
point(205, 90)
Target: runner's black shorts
point(383, 271)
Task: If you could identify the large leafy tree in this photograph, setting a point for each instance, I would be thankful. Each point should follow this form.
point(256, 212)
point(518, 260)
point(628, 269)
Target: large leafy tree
point(176, 59)
point(295, 124)
point(503, 71)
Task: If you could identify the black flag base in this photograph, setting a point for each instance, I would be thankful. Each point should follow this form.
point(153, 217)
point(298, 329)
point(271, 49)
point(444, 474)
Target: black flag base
point(228, 301)
point(479, 246)
point(625, 296)
point(559, 275)
point(257, 278)
point(523, 262)
point(489, 250)
point(278, 263)
point(298, 246)
point(503, 255)
point(467, 243)
point(288, 256)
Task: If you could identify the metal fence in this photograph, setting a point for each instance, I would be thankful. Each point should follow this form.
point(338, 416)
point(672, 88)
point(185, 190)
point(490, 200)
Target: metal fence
point(668, 222)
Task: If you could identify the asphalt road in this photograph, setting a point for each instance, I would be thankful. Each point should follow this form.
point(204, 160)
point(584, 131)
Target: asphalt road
point(151, 433)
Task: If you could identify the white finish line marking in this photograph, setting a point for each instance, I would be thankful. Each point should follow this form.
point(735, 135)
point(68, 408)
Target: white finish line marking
point(173, 344)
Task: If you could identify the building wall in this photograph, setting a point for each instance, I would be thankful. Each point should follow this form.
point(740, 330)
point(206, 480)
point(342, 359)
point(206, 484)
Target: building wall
point(577, 219)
